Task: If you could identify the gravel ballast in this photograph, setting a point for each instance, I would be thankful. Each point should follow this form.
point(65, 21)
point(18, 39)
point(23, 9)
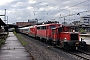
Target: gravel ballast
point(41, 51)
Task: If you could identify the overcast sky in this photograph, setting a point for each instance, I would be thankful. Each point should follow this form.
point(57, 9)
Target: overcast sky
point(22, 10)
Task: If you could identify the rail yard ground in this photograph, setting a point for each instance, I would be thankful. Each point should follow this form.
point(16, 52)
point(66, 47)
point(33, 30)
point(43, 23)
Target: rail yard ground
point(36, 49)
point(41, 51)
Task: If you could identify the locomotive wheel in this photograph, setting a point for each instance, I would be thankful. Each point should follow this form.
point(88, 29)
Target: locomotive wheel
point(83, 46)
point(50, 42)
point(37, 38)
point(66, 46)
point(58, 42)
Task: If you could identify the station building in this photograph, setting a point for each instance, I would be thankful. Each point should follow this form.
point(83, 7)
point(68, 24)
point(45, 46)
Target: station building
point(85, 20)
point(30, 22)
point(85, 23)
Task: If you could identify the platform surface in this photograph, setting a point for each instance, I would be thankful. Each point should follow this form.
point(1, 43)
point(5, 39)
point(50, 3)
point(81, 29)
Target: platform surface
point(13, 49)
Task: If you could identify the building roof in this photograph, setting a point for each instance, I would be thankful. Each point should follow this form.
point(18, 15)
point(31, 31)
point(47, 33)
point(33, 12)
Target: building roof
point(88, 16)
point(23, 23)
point(2, 23)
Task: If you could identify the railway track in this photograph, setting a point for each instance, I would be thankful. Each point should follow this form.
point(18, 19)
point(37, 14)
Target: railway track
point(81, 55)
point(77, 55)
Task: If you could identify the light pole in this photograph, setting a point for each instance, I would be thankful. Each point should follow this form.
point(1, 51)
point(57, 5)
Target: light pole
point(64, 20)
point(47, 13)
point(79, 23)
point(35, 18)
point(7, 19)
point(5, 16)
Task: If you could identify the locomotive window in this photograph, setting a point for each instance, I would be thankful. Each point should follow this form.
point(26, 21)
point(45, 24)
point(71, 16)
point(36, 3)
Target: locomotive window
point(59, 30)
point(53, 31)
point(74, 36)
point(52, 26)
point(38, 27)
point(43, 27)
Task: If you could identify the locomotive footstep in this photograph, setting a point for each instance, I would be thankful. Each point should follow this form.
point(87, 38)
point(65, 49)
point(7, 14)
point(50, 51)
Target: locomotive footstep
point(50, 46)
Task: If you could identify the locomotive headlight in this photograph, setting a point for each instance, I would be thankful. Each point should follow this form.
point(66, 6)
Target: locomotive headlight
point(65, 39)
point(77, 43)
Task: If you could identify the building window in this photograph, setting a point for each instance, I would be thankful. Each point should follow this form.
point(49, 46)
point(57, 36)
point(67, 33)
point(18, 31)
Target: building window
point(86, 22)
point(85, 19)
point(88, 19)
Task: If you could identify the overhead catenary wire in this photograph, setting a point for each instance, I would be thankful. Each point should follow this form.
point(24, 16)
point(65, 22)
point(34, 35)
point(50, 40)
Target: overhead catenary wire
point(78, 13)
point(75, 14)
point(76, 4)
point(73, 6)
point(72, 15)
point(80, 3)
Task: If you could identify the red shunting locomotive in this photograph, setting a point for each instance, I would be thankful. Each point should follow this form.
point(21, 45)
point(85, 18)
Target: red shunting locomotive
point(67, 38)
point(56, 34)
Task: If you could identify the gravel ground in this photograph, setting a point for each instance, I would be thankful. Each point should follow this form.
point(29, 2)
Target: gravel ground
point(40, 51)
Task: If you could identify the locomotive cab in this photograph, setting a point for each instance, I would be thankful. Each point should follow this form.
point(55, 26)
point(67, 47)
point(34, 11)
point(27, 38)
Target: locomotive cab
point(56, 35)
point(70, 40)
point(66, 40)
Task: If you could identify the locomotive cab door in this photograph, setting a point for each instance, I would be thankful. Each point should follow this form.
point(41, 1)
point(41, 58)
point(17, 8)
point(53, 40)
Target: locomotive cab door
point(53, 33)
point(56, 35)
point(59, 30)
